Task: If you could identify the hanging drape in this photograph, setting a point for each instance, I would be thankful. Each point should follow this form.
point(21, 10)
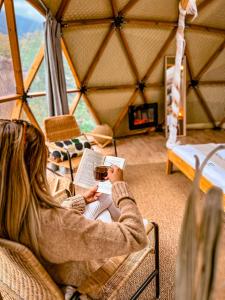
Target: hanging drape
point(180, 46)
point(55, 76)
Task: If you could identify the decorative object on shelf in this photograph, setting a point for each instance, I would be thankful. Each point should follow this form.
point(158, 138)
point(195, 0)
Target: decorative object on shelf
point(169, 114)
point(143, 116)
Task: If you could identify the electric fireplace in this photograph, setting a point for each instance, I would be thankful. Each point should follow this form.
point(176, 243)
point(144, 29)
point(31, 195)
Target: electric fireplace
point(143, 116)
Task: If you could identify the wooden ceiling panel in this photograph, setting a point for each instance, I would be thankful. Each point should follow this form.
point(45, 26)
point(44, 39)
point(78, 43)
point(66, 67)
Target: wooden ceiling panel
point(109, 104)
point(121, 4)
point(83, 44)
point(156, 95)
point(113, 67)
point(157, 74)
point(215, 98)
point(52, 5)
point(212, 15)
point(87, 9)
point(217, 70)
point(195, 112)
point(154, 9)
point(145, 43)
point(201, 46)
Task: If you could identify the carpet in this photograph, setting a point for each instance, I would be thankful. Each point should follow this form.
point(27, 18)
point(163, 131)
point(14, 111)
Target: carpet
point(162, 199)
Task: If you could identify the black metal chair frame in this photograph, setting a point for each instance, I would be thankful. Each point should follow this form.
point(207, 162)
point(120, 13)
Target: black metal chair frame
point(151, 276)
point(155, 273)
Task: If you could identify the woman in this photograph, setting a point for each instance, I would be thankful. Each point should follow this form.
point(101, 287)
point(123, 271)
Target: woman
point(63, 239)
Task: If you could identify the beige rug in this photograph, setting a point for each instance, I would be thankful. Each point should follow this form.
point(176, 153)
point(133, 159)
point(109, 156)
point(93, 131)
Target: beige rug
point(162, 198)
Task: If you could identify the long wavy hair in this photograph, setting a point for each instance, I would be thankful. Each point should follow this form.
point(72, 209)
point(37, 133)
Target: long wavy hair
point(23, 183)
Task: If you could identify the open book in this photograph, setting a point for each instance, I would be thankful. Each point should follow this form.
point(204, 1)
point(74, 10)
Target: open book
point(85, 173)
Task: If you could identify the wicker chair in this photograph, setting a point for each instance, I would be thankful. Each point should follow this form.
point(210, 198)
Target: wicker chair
point(65, 127)
point(23, 277)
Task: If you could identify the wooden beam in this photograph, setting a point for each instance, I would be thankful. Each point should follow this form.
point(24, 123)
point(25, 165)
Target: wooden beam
point(143, 97)
point(14, 45)
point(70, 63)
point(189, 67)
point(201, 28)
point(1, 3)
point(17, 109)
point(210, 61)
point(41, 94)
point(37, 6)
point(30, 115)
point(98, 55)
point(9, 98)
point(100, 21)
point(61, 9)
point(215, 82)
point(91, 108)
point(75, 103)
point(128, 6)
point(154, 85)
point(150, 23)
point(112, 87)
point(128, 54)
point(125, 110)
point(34, 69)
point(222, 122)
point(114, 8)
point(36, 94)
point(205, 106)
point(160, 54)
point(203, 4)
point(71, 91)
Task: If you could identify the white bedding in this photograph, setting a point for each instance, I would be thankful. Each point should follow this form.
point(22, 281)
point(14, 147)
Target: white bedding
point(213, 171)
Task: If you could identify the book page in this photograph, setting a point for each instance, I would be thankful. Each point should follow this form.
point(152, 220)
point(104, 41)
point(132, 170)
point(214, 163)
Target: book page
point(85, 173)
point(106, 186)
point(116, 161)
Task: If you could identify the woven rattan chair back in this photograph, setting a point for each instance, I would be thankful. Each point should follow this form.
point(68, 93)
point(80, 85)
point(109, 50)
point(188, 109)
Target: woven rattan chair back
point(59, 128)
point(22, 276)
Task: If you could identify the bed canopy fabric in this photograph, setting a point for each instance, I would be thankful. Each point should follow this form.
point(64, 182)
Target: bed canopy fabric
point(187, 7)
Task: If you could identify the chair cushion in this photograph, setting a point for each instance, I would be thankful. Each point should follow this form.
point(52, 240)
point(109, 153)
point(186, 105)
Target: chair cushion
point(75, 147)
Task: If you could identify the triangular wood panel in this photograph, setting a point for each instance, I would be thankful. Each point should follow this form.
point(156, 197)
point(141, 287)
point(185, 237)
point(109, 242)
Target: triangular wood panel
point(116, 48)
point(111, 61)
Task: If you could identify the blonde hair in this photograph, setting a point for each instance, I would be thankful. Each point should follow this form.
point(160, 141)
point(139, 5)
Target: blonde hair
point(23, 183)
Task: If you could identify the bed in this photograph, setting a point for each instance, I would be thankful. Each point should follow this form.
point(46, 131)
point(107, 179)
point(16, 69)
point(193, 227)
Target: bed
point(182, 156)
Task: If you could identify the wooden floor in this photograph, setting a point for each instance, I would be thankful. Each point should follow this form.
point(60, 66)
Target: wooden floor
point(151, 148)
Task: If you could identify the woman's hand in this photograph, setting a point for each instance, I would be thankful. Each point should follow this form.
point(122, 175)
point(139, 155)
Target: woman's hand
point(115, 174)
point(91, 195)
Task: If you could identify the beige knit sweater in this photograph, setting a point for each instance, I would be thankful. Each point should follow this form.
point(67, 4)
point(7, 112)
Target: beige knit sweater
point(72, 246)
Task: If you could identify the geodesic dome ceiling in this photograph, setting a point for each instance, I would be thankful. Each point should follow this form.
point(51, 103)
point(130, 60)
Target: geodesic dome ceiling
point(116, 51)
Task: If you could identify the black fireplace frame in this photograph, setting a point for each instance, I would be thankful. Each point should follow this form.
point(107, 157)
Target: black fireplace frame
point(143, 108)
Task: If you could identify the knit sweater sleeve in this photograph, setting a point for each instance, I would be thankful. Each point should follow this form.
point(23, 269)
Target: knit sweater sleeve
point(68, 236)
point(75, 202)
